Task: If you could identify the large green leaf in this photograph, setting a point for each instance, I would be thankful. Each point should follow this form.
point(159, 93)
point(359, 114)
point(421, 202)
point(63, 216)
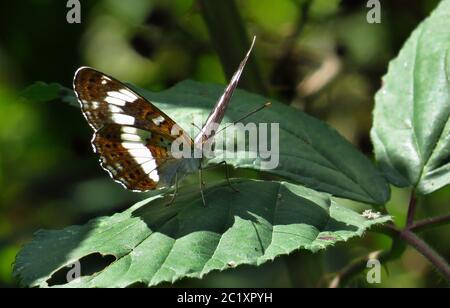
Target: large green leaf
point(310, 152)
point(153, 243)
point(411, 119)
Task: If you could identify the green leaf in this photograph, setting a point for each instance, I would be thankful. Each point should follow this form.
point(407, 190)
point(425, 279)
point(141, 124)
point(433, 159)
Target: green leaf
point(152, 243)
point(40, 92)
point(310, 152)
point(411, 119)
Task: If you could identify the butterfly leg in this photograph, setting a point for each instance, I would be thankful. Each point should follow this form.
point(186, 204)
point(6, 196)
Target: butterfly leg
point(175, 192)
point(202, 184)
point(227, 174)
point(196, 126)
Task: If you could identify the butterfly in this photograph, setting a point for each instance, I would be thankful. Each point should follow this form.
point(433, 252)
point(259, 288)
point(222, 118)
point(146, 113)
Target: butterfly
point(134, 138)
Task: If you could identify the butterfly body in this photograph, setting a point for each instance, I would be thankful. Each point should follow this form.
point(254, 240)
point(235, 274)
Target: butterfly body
point(178, 169)
point(134, 138)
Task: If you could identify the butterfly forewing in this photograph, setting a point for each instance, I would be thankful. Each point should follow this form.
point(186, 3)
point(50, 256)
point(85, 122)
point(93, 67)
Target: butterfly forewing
point(106, 100)
point(215, 117)
point(132, 136)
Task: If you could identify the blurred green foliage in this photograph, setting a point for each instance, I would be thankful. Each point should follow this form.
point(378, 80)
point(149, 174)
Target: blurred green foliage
point(46, 162)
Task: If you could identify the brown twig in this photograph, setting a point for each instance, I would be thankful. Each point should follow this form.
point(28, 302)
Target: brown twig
point(343, 277)
point(423, 248)
point(355, 268)
point(429, 223)
point(400, 237)
point(411, 209)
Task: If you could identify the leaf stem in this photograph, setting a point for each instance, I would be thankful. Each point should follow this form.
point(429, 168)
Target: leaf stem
point(342, 278)
point(289, 43)
point(400, 239)
point(229, 37)
point(427, 223)
point(428, 252)
point(421, 246)
point(411, 209)
point(283, 75)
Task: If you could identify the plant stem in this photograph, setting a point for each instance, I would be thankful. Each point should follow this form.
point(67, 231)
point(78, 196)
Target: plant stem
point(283, 76)
point(400, 238)
point(428, 252)
point(343, 277)
point(229, 37)
point(289, 43)
point(389, 229)
point(411, 210)
point(429, 222)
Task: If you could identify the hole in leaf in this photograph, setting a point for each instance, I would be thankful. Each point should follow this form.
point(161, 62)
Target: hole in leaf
point(87, 266)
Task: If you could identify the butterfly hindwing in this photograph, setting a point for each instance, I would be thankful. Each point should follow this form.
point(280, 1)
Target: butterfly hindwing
point(132, 136)
point(128, 154)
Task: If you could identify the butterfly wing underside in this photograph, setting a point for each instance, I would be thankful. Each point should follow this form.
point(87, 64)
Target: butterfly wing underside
point(215, 117)
point(131, 135)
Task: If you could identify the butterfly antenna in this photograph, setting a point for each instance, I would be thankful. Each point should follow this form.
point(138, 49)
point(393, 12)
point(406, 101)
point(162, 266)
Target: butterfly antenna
point(268, 104)
point(196, 126)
